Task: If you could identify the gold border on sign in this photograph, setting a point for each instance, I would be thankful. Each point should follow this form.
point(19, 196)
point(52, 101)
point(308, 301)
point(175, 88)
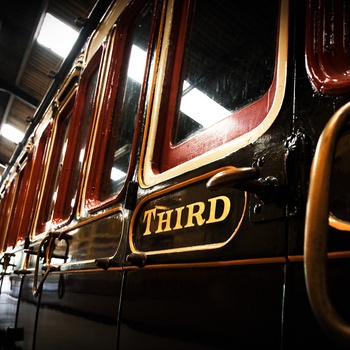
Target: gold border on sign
point(172, 189)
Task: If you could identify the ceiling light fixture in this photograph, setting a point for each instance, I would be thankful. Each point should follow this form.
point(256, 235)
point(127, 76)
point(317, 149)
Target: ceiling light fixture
point(12, 134)
point(57, 36)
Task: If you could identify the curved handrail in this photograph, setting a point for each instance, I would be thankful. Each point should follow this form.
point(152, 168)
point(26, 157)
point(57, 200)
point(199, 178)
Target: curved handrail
point(316, 230)
point(338, 224)
point(48, 244)
point(37, 289)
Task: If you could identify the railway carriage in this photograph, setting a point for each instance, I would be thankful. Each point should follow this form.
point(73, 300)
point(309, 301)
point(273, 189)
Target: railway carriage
point(185, 183)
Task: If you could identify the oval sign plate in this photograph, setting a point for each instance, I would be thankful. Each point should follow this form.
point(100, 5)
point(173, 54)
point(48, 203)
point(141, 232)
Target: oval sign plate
point(187, 217)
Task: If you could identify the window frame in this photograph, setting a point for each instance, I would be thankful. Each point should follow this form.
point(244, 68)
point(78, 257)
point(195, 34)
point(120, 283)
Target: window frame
point(7, 203)
point(61, 214)
point(14, 235)
point(112, 99)
point(44, 215)
point(21, 196)
point(40, 151)
point(150, 172)
point(327, 63)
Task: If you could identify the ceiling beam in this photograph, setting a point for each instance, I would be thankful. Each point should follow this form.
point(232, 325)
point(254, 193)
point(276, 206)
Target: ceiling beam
point(22, 95)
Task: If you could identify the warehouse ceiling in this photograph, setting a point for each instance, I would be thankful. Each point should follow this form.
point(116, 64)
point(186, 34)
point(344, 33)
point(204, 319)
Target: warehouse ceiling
point(26, 67)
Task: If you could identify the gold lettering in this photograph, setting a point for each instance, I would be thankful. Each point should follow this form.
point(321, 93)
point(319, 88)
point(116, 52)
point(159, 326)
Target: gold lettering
point(148, 215)
point(194, 213)
point(166, 221)
point(225, 212)
point(198, 215)
point(178, 218)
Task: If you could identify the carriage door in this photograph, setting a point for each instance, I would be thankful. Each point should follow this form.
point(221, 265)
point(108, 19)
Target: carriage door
point(321, 310)
point(206, 250)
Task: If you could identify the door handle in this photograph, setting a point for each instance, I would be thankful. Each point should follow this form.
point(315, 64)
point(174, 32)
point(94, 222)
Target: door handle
point(245, 179)
point(316, 230)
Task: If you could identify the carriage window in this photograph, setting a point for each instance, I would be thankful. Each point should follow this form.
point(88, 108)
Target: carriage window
point(35, 165)
point(55, 166)
point(26, 194)
point(14, 235)
point(235, 67)
point(34, 170)
point(116, 129)
point(223, 60)
point(73, 124)
point(6, 207)
point(77, 138)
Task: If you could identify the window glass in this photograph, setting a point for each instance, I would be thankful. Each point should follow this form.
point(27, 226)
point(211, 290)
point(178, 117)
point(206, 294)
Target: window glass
point(124, 117)
point(229, 62)
point(220, 76)
point(76, 140)
point(60, 147)
point(23, 177)
point(55, 166)
point(73, 123)
point(38, 158)
point(115, 133)
point(17, 207)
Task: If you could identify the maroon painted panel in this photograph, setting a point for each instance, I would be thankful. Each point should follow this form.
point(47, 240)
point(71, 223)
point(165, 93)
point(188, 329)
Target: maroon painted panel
point(327, 53)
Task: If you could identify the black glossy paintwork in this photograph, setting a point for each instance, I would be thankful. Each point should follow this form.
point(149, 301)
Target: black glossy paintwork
point(301, 326)
point(248, 294)
point(79, 311)
point(203, 308)
point(77, 308)
point(10, 290)
point(27, 314)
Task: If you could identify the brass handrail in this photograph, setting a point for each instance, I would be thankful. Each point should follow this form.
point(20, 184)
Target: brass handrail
point(37, 289)
point(316, 230)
